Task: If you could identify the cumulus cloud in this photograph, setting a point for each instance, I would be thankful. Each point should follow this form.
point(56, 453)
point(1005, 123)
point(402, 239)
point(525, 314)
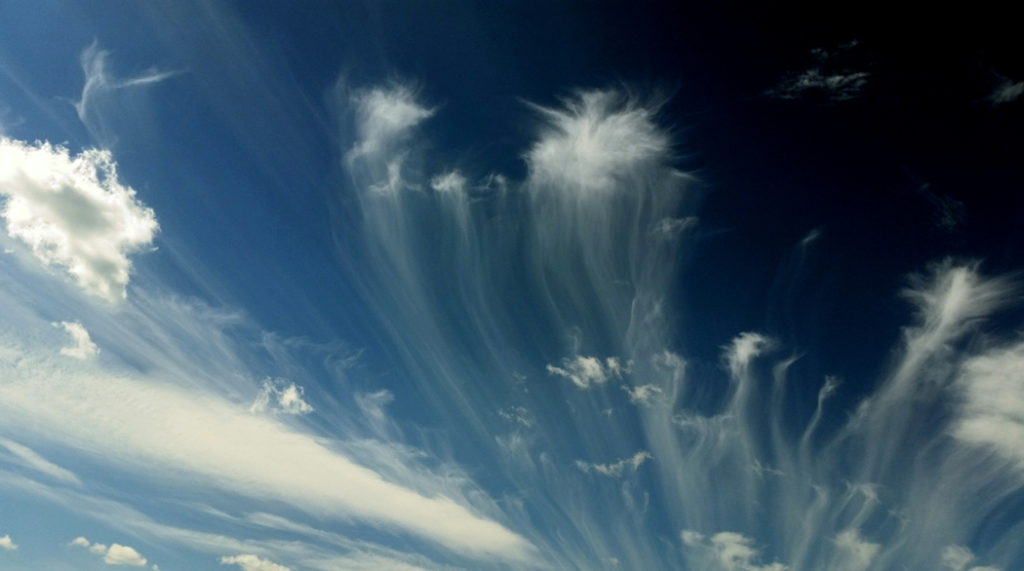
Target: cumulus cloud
point(29, 458)
point(827, 78)
point(597, 137)
point(6, 543)
point(83, 347)
point(277, 395)
point(116, 554)
point(74, 213)
point(252, 563)
point(616, 469)
point(586, 372)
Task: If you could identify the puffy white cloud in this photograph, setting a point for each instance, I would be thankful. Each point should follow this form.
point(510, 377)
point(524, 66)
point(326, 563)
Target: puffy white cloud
point(252, 563)
point(83, 347)
point(585, 372)
point(596, 138)
point(123, 555)
point(285, 398)
point(74, 213)
point(6, 543)
point(616, 469)
point(116, 554)
point(30, 459)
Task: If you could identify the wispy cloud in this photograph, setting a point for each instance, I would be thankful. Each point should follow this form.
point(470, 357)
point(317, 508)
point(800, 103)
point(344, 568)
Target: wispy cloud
point(587, 372)
point(1007, 91)
point(281, 395)
point(616, 469)
point(826, 79)
point(74, 213)
point(99, 82)
point(31, 459)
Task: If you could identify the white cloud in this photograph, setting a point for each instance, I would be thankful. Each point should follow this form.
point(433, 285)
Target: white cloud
point(123, 555)
point(598, 137)
point(586, 372)
point(856, 553)
point(29, 458)
point(6, 543)
point(993, 408)
point(99, 82)
point(669, 228)
point(116, 554)
point(616, 469)
point(450, 182)
point(252, 563)
point(727, 551)
point(642, 394)
point(282, 397)
point(385, 117)
point(959, 558)
point(743, 349)
point(83, 348)
point(162, 430)
point(1007, 91)
point(825, 78)
point(517, 414)
point(74, 213)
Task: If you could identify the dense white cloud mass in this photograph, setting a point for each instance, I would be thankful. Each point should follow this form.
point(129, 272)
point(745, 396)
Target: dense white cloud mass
point(725, 551)
point(74, 213)
point(252, 563)
point(30, 459)
point(83, 347)
point(6, 543)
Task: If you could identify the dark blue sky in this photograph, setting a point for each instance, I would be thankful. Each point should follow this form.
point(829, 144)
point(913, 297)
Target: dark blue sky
point(568, 285)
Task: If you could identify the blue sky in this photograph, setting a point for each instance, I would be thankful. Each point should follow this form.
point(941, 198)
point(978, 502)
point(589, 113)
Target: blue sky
point(437, 286)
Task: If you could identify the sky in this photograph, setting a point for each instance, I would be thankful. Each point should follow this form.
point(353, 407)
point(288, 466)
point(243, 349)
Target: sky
point(426, 286)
